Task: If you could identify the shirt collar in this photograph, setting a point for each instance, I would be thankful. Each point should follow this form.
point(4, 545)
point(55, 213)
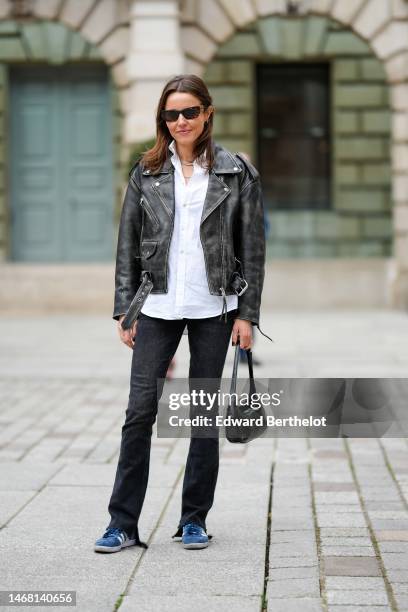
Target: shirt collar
point(176, 159)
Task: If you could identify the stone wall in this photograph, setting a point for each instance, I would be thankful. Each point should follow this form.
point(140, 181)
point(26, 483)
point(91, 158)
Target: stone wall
point(359, 223)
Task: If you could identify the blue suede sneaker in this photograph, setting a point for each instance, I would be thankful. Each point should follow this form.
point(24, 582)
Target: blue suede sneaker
point(194, 536)
point(113, 540)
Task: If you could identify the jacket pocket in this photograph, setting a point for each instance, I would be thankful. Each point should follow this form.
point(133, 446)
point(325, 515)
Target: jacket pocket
point(148, 248)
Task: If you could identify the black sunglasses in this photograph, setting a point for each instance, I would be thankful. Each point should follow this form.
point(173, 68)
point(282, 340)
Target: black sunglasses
point(188, 113)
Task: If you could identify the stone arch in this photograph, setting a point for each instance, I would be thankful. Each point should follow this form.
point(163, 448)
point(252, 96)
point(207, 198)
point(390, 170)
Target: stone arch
point(104, 24)
point(382, 24)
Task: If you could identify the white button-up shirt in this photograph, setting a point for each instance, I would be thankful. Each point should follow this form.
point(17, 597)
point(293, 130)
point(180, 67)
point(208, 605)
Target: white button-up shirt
point(188, 295)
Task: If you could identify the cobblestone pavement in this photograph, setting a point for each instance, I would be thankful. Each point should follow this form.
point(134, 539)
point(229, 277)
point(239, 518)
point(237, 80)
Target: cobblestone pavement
point(298, 524)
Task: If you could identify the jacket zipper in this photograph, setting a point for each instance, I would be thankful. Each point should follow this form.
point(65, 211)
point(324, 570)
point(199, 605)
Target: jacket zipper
point(168, 249)
point(205, 259)
point(171, 231)
point(224, 310)
point(150, 213)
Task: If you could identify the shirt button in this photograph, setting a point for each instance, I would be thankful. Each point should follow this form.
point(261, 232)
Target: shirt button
point(225, 188)
point(235, 168)
point(157, 184)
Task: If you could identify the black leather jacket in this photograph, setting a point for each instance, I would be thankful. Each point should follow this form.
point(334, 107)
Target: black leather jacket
point(231, 231)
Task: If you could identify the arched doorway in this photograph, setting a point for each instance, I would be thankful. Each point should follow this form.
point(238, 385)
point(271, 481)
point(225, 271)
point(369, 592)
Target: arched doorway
point(308, 100)
point(60, 168)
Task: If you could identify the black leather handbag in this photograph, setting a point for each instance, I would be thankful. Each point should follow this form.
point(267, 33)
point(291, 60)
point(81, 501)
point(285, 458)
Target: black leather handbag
point(242, 430)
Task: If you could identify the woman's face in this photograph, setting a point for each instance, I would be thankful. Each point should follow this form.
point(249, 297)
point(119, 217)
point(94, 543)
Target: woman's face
point(186, 131)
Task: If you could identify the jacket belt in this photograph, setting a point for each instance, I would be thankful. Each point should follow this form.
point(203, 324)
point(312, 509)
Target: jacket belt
point(238, 283)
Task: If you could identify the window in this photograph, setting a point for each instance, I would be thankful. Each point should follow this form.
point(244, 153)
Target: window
point(293, 135)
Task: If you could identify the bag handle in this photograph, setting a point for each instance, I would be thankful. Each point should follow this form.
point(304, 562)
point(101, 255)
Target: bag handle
point(250, 365)
point(251, 372)
point(234, 376)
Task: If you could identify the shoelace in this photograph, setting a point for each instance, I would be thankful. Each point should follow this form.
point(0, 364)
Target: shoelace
point(194, 529)
point(116, 531)
point(112, 531)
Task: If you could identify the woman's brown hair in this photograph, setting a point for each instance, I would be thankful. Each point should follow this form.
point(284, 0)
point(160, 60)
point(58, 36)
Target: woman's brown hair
point(154, 158)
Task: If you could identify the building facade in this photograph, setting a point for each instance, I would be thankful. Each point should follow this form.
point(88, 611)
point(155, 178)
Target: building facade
point(315, 91)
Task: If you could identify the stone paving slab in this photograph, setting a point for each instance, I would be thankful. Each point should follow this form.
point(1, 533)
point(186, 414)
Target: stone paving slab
point(297, 587)
point(338, 519)
point(345, 551)
point(343, 532)
point(22, 477)
point(160, 475)
point(12, 502)
point(292, 562)
point(344, 583)
point(351, 566)
point(297, 536)
point(296, 604)
point(368, 597)
point(345, 542)
point(398, 576)
point(290, 549)
point(289, 573)
point(395, 560)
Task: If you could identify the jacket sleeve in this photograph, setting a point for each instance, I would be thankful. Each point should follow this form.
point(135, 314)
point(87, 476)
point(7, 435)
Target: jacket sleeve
point(251, 248)
point(127, 271)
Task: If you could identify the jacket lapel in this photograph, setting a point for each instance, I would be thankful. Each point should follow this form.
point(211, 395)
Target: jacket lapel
point(161, 187)
point(217, 191)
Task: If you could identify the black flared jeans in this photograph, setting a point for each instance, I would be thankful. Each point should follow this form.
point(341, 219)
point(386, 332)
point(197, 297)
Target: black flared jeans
point(156, 343)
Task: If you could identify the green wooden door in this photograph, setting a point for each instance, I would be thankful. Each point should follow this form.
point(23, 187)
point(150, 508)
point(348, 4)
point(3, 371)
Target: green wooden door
point(61, 184)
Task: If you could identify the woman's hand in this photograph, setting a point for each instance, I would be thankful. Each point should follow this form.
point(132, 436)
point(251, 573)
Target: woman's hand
point(243, 329)
point(126, 335)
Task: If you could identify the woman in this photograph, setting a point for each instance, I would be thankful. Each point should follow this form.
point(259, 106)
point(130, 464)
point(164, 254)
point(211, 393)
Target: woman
point(190, 244)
